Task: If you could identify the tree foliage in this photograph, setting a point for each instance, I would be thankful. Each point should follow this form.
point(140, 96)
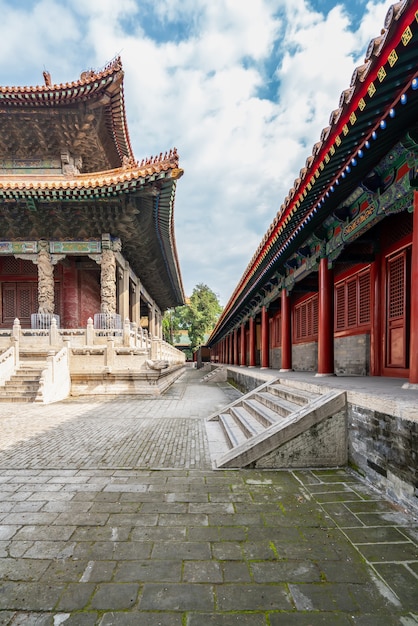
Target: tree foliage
point(198, 317)
point(204, 311)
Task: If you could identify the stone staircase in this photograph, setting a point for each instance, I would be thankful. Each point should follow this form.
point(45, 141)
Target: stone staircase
point(280, 425)
point(23, 386)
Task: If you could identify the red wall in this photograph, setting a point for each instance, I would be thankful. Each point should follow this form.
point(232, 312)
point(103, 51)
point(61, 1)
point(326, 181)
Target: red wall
point(89, 295)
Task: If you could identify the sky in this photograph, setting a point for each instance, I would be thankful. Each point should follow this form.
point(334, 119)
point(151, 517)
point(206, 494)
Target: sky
point(242, 89)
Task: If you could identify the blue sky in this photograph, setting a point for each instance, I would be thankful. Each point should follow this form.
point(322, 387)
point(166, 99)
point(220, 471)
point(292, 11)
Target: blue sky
point(242, 89)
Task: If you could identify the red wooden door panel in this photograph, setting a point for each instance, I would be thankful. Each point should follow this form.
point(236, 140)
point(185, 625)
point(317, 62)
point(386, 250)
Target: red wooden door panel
point(397, 310)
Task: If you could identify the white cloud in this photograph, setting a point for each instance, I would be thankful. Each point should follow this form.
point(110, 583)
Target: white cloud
point(199, 90)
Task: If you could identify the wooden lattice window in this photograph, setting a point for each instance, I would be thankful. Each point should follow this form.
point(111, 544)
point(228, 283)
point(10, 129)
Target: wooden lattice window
point(352, 302)
point(11, 265)
point(364, 298)
point(396, 287)
point(339, 297)
point(277, 321)
point(306, 320)
point(9, 303)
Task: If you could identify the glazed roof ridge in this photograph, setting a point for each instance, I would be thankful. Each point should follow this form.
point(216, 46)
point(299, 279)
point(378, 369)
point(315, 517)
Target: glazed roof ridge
point(372, 61)
point(86, 77)
point(126, 173)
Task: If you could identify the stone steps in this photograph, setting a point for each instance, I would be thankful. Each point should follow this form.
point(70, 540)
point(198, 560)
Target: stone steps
point(272, 415)
point(23, 386)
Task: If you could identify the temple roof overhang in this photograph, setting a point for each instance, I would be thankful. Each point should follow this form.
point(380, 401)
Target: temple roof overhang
point(85, 117)
point(376, 113)
point(133, 203)
point(67, 172)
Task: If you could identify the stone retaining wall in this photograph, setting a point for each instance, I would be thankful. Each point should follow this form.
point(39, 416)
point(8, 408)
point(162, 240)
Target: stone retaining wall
point(382, 440)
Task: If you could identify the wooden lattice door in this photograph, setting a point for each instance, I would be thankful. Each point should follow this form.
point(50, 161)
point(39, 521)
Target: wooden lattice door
point(397, 310)
point(19, 300)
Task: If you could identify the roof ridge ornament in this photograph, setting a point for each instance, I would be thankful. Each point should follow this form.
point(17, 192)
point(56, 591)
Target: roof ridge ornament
point(47, 78)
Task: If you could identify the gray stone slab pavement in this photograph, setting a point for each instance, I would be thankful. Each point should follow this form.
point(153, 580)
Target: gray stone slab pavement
point(110, 514)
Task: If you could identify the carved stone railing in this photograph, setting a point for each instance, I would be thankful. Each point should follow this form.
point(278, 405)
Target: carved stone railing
point(9, 361)
point(130, 340)
point(55, 381)
point(171, 354)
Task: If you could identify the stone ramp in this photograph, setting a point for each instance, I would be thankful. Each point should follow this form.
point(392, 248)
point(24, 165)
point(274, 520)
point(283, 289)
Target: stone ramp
point(278, 425)
point(216, 375)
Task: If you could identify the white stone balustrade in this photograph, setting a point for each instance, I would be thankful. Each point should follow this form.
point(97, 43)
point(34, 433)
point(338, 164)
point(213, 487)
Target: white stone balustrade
point(55, 381)
point(108, 349)
point(9, 361)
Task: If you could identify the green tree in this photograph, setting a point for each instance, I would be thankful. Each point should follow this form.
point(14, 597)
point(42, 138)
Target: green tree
point(198, 317)
point(203, 312)
point(174, 320)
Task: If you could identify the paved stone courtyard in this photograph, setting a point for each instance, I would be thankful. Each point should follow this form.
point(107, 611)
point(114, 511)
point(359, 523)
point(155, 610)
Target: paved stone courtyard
point(110, 514)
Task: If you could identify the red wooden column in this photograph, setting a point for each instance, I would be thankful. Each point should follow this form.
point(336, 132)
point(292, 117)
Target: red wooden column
point(235, 356)
point(326, 320)
point(413, 342)
point(243, 355)
point(231, 349)
point(264, 338)
point(71, 304)
point(252, 346)
point(376, 317)
point(286, 323)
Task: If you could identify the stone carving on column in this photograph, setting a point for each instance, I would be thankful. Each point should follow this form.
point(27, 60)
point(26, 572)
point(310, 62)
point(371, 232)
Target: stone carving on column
point(45, 279)
point(108, 282)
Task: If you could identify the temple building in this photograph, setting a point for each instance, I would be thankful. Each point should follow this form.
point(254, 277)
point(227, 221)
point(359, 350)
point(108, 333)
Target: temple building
point(88, 261)
point(332, 290)
point(333, 285)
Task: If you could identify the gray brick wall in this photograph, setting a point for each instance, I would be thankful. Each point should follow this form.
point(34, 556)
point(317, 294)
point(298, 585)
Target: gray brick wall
point(305, 357)
point(352, 355)
point(385, 449)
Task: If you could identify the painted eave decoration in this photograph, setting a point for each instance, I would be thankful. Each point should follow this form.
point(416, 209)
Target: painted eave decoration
point(374, 113)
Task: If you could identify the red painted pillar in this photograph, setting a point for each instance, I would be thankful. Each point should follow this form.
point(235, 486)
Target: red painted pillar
point(376, 317)
point(326, 320)
point(243, 356)
point(252, 346)
point(286, 323)
point(230, 351)
point(71, 300)
point(413, 342)
point(264, 338)
point(235, 357)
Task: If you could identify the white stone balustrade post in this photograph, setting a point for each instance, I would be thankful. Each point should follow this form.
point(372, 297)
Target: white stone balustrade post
point(17, 329)
point(126, 332)
point(110, 355)
point(135, 334)
point(15, 344)
point(154, 349)
point(53, 332)
point(90, 332)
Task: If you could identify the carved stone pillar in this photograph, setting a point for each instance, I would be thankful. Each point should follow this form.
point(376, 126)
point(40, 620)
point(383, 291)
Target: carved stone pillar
point(45, 279)
point(151, 321)
point(136, 303)
point(108, 282)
